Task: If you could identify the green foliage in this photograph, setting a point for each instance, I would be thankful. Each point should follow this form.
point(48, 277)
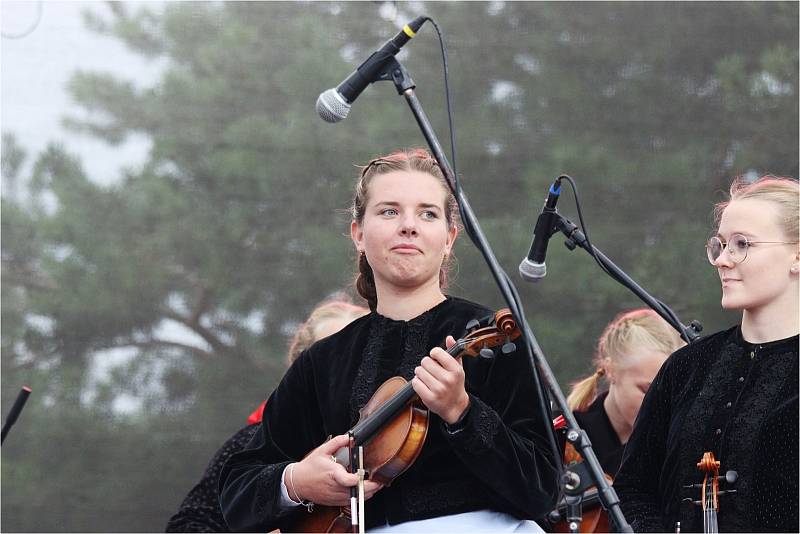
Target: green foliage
point(200, 262)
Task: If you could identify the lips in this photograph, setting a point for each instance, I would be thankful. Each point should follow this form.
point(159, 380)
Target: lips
point(406, 248)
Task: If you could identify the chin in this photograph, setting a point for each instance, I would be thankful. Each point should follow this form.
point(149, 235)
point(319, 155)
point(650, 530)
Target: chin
point(731, 303)
point(729, 306)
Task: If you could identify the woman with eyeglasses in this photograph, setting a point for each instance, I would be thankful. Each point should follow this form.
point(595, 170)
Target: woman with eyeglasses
point(733, 393)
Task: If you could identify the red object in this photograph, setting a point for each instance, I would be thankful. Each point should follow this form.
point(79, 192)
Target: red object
point(257, 415)
point(559, 422)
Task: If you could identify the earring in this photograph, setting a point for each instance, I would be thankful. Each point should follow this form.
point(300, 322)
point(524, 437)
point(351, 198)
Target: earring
point(795, 269)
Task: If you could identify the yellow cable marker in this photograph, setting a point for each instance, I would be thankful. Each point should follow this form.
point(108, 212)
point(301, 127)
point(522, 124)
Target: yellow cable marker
point(408, 31)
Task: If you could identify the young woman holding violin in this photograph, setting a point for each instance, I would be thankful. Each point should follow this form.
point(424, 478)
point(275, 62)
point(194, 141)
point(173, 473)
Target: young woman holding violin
point(733, 394)
point(484, 462)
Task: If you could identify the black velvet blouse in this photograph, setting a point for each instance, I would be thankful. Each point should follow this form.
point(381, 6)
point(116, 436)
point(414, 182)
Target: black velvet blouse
point(501, 460)
point(736, 399)
point(598, 427)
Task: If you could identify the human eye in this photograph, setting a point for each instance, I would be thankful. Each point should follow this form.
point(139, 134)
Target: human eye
point(388, 212)
point(738, 242)
point(429, 215)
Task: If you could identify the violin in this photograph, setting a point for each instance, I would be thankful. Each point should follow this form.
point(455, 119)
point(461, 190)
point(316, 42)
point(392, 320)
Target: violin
point(393, 424)
point(709, 490)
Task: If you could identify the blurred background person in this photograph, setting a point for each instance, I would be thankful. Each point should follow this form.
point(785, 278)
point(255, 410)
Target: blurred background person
point(629, 353)
point(200, 510)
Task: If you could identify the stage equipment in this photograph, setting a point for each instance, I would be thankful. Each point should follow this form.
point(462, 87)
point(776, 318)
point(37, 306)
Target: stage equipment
point(333, 105)
point(16, 409)
point(532, 268)
point(550, 222)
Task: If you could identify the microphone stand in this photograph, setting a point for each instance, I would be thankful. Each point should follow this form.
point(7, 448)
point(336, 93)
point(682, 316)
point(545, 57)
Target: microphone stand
point(16, 409)
point(405, 86)
point(576, 238)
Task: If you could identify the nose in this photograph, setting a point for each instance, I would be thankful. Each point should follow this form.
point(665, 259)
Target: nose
point(724, 260)
point(408, 226)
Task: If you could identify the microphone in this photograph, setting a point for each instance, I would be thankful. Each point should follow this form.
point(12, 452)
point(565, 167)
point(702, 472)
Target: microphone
point(533, 268)
point(333, 105)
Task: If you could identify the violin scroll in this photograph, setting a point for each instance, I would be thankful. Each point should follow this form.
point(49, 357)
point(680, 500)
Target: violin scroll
point(479, 341)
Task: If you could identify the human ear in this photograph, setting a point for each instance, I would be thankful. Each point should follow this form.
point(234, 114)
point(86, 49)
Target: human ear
point(357, 235)
point(452, 233)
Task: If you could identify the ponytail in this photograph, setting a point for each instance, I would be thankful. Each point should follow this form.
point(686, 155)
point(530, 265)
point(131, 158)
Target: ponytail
point(365, 282)
point(584, 391)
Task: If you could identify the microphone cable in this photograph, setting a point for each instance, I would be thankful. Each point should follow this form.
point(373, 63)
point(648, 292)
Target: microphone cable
point(507, 288)
point(590, 248)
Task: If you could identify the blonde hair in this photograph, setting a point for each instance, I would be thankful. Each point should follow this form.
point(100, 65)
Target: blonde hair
point(414, 159)
point(782, 192)
point(339, 307)
point(630, 330)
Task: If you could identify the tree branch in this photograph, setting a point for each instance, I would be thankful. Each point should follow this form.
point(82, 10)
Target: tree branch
point(161, 343)
point(217, 344)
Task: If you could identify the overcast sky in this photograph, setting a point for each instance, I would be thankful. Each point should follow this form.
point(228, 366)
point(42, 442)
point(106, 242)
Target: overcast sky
point(43, 43)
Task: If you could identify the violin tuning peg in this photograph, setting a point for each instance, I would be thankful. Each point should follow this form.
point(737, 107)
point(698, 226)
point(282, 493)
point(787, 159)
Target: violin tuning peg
point(508, 347)
point(472, 325)
point(689, 500)
point(487, 353)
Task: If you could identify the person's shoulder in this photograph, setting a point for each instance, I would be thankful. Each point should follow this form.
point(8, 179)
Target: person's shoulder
point(699, 351)
point(710, 342)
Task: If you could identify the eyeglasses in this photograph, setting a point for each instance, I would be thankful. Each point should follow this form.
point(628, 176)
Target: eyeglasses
point(738, 246)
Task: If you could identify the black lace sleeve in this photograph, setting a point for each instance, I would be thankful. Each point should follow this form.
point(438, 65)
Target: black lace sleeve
point(504, 441)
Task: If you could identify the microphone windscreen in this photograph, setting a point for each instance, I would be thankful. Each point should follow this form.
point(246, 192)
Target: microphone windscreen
point(532, 272)
point(331, 106)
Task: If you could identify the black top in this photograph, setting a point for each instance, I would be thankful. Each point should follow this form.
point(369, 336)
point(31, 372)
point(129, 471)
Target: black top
point(500, 461)
point(605, 441)
point(200, 511)
point(735, 399)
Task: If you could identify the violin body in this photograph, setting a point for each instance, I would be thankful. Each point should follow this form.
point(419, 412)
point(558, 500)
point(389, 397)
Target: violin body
point(400, 443)
point(324, 519)
point(401, 439)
